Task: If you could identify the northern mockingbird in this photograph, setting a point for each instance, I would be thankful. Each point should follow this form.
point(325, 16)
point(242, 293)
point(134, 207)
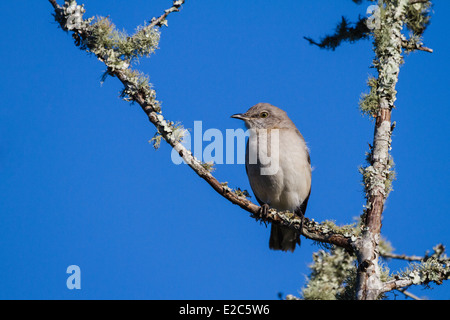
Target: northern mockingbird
point(278, 168)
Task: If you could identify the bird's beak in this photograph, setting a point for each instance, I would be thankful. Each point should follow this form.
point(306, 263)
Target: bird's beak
point(239, 116)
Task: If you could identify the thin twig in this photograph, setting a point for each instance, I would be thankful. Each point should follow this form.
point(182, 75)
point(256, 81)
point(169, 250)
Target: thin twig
point(409, 294)
point(426, 49)
point(402, 257)
point(158, 22)
point(417, 1)
point(396, 284)
point(438, 255)
point(408, 46)
point(55, 4)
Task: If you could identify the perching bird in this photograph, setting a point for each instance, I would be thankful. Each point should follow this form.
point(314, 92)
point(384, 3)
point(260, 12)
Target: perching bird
point(278, 167)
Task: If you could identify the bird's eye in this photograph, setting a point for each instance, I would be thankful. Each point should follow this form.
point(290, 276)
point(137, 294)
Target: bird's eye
point(264, 114)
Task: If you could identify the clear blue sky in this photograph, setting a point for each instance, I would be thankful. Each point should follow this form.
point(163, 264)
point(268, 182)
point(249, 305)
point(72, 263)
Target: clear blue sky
point(81, 185)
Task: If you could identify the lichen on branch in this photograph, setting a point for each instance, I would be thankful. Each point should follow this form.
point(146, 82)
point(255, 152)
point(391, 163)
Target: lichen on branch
point(117, 51)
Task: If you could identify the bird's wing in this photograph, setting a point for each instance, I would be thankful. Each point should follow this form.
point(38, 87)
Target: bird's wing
point(307, 150)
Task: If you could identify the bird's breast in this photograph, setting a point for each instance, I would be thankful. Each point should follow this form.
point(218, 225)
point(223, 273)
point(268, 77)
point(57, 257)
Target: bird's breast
point(278, 168)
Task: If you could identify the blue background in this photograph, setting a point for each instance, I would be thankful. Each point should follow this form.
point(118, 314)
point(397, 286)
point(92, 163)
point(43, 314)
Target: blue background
point(80, 184)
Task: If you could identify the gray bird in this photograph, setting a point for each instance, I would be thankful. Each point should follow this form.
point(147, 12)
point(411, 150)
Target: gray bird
point(278, 167)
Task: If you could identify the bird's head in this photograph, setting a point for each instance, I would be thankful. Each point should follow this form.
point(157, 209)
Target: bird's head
point(264, 116)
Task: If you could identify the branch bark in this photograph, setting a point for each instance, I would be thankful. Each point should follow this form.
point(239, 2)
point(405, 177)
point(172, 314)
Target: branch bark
point(402, 257)
point(54, 4)
point(408, 46)
point(433, 270)
point(438, 254)
point(388, 48)
point(159, 22)
point(409, 294)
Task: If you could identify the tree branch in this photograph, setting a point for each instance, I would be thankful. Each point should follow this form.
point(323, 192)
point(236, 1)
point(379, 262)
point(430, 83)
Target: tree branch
point(145, 98)
point(160, 21)
point(54, 4)
point(366, 246)
point(388, 48)
point(415, 46)
point(418, 1)
point(409, 294)
point(433, 267)
point(438, 254)
point(421, 273)
point(311, 230)
point(402, 257)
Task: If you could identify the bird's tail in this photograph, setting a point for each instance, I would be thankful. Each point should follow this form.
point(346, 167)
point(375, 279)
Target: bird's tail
point(283, 238)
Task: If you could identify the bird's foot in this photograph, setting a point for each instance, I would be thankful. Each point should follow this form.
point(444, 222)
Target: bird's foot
point(262, 214)
point(302, 221)
point(264, 211)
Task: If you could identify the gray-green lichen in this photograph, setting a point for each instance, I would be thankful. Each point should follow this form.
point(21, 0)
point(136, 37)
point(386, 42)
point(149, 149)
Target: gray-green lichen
point(237, 191)
point(418, 17)
point(333, 276)
point(431, 270)
point(118, 50)
point(70, 17)
point(331, 273)
point(384, 247)
point(388, 49)
point(241, 193)
point(115, 48)
point(391, 175)
point(348, 231)
point(102, 38)
point(156, 140)
point(137, 83)
point(208, 166)
point(371, 178)
point(369, 102)
point(171, 132)
point(417, 20)
point(412, 43)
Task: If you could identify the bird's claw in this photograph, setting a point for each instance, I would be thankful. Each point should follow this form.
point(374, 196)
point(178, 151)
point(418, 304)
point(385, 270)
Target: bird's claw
point(264, 211)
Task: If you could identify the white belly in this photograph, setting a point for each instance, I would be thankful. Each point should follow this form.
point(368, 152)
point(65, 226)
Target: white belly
point(286, 182)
